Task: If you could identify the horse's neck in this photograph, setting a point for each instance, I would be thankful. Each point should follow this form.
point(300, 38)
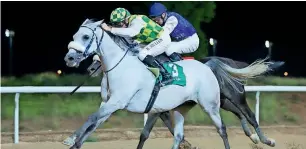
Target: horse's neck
point(112, 53)
point(129, 69)
point(120, 41)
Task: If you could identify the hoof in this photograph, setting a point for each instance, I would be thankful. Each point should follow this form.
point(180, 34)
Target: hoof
point(185, 145)
point(70, 141)
point(272, 142)
point(73, 147)
point(254, 138)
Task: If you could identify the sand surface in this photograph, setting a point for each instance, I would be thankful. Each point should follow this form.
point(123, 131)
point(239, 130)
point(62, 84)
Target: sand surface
point(214, 142)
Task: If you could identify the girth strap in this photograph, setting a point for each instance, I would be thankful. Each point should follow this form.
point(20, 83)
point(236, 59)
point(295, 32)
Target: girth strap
point(152, 98)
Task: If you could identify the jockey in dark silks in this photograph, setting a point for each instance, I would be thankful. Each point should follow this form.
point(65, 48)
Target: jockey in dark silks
point(183, 34)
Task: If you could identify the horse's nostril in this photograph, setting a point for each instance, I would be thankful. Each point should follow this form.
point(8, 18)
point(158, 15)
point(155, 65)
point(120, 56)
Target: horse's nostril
point(70, 58)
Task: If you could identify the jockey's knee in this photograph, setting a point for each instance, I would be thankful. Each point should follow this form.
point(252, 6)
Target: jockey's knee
point(143, 54)
point(195, 42)
point(172, 50)
point(188, 45)
point(156, 47)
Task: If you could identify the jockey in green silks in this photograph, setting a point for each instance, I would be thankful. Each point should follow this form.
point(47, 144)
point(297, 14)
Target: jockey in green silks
point(151, 37)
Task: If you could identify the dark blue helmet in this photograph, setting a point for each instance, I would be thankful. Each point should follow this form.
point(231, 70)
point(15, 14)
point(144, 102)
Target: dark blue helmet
point(157, 9)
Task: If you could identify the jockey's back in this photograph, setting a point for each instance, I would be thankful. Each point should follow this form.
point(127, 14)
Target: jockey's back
point(179, 28)
point(149, 31)
point(183, 34)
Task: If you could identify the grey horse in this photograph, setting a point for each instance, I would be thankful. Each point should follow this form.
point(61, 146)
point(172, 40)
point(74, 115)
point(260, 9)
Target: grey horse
point(132, 94)
point(226, 102)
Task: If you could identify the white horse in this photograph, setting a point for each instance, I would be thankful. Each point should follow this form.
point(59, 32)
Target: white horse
point(131, 83)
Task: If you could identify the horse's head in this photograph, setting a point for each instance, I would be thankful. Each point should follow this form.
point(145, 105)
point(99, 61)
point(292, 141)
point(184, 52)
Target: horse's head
point(86, 41)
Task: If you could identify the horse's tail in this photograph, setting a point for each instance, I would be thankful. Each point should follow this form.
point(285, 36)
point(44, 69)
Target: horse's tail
point(228, 75)
point(255, 69)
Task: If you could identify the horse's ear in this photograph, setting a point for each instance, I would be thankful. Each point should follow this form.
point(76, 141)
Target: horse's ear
point(85, 21)
point(100, 22)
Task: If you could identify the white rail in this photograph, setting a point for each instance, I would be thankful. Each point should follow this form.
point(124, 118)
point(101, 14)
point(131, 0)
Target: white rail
point(95, 89)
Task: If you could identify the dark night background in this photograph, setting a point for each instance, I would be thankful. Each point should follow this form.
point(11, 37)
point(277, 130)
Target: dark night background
point(44, 29)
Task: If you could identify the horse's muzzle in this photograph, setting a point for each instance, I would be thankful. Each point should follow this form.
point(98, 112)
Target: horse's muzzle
point(73, 59)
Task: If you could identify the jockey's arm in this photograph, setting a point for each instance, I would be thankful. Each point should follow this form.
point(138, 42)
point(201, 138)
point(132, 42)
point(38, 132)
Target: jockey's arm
point(170, 24)
point(131, 31)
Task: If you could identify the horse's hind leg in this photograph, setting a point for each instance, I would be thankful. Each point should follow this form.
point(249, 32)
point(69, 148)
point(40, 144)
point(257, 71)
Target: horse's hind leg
point(182, 110)
point(178, 129)
point(216, 118)
point(228, 106)
point(250, 116)
point(166, 118)
point(212, 107)
point(253, 122)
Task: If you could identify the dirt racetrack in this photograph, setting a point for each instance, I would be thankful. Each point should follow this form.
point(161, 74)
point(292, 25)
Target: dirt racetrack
point(286, 138)
point(236, 142)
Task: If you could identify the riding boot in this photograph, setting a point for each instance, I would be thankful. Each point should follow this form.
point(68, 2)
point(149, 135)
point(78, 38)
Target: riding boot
point(152, 62)
point(175, 57)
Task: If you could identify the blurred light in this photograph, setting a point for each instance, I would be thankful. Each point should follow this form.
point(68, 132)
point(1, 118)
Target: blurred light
point(211, 41)
point(267, 43)
point(7, 33)
point(285, 74)
point(59, 72)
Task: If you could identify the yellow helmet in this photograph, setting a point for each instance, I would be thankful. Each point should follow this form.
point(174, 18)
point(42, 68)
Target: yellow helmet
point(119, 14)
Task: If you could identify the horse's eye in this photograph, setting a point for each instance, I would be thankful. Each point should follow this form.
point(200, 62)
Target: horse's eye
point(85, 37)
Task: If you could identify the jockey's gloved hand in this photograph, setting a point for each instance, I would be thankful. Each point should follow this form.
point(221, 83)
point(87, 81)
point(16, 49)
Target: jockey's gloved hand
point(106, 27)
point(135, 50)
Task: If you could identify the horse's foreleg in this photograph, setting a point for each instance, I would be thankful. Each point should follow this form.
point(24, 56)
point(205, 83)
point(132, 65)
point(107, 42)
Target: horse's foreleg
point(93, 122)
point(147, 129)
point(70, 141)
point(91, 129)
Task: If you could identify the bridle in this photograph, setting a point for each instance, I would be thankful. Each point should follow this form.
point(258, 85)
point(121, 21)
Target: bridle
point(94, 35)
point(86, 54)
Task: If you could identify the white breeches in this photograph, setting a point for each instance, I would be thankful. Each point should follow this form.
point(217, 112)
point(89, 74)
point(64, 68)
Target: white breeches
point(156, 47)
point(187, 45)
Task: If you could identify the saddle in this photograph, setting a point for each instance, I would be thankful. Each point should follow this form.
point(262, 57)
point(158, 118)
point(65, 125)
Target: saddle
point(172, 68)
